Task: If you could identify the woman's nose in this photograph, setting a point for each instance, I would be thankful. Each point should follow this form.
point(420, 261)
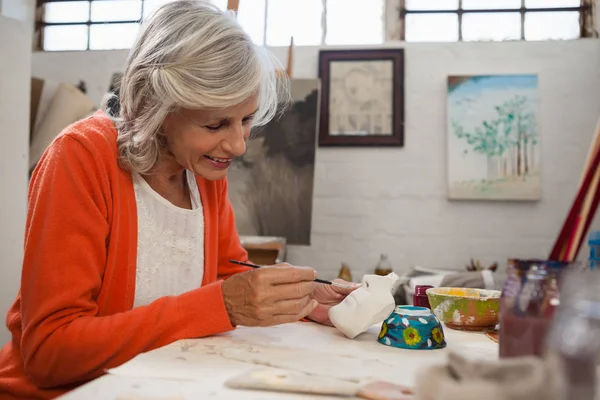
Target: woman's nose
point(236, 141)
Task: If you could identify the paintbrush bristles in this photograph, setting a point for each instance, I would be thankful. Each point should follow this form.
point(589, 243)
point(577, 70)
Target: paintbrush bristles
point(340, 285)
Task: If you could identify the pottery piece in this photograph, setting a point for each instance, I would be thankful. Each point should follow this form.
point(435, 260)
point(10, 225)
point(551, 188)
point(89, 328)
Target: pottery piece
point(368, 305)
point(411, 327)
point(465, 308)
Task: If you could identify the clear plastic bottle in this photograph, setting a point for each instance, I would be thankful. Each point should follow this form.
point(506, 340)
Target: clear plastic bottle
point(594, 245)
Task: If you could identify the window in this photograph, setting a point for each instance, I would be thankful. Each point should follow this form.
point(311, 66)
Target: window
point(113, 24)
point(494, 20)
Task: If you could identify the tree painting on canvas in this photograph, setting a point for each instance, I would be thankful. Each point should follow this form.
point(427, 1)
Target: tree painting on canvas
point(493, 138)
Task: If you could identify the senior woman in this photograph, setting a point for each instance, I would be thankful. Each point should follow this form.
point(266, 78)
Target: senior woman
point(130, 229)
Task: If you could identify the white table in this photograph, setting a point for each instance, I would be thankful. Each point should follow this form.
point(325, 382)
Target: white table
point(197, 369)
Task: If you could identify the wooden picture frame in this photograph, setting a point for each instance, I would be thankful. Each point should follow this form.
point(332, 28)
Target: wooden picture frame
point(362, 97)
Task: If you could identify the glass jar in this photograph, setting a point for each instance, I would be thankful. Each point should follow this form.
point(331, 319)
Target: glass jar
point(383, 267)
point(527, 305)
point(420, 298)
point(572, 342)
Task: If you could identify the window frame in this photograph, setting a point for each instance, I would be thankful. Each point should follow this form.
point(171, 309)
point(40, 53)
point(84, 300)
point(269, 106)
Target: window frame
point(394, 27)
point(585, 9)
point(40, 23)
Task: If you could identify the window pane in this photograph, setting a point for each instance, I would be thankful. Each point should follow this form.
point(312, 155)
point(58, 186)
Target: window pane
point(432, 27)
point(344, 16)
point(490, 4)
point(71, 37)
point(300, 19)
point(491, 26)
point(251, 16)
point(432, 4)
point(68, 11)
point(552, 25)
point(112, 36)
point(116, 10)
point(150, 6)
point(222, 4)
point(551, 3)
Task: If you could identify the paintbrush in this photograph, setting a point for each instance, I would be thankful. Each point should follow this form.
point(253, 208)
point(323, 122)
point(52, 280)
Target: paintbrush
point(315, 280)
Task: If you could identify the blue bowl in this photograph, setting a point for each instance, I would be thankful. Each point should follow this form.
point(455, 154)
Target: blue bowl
point(415, 328)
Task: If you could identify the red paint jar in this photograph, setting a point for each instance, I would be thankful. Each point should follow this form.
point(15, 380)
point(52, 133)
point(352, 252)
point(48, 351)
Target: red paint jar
point(420, 298)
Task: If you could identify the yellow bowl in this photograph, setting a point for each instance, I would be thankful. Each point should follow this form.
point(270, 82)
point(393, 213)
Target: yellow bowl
point(465, 308)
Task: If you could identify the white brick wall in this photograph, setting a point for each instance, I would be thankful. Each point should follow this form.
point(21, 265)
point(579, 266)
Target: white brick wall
point(370, 201)
point(15, 55)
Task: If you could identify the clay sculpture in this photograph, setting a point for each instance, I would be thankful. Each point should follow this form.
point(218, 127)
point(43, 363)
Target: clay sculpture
point(368, 305)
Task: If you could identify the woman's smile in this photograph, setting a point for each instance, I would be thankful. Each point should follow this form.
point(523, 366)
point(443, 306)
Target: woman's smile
point(219, 163)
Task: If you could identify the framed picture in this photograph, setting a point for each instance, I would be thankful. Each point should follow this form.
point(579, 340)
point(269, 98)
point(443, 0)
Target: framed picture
point(362, 97)
point(493, 138)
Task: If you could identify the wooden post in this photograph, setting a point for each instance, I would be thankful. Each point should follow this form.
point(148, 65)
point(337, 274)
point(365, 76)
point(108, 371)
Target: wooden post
point(290, 59)
point(233, 5)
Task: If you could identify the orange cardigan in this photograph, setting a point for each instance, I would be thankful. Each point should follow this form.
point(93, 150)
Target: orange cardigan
point(73, 317)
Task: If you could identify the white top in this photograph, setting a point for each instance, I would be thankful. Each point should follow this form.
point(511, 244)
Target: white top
point(170, 249)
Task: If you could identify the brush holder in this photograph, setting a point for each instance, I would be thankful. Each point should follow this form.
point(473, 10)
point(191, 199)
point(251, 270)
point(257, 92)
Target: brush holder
point(410, 327)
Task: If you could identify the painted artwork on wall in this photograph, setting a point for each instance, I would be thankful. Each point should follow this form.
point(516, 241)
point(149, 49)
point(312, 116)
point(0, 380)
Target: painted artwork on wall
point(493, 138)
point(362, 98)
point(271, 186)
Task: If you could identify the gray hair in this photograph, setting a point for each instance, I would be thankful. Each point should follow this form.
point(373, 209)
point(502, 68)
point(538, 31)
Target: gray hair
point(192, 55)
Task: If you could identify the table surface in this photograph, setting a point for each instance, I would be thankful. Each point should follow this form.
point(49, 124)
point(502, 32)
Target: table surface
point(198, 368)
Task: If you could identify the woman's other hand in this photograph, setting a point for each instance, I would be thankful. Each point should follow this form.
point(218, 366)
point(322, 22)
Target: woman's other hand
point(329, 296)
point(270, 296)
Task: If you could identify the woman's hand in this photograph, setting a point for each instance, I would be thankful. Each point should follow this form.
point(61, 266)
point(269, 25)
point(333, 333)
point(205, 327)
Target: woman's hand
point(270, 295)
point(329, 296)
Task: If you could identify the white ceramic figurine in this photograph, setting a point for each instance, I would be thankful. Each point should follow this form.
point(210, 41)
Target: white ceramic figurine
point(370, 304)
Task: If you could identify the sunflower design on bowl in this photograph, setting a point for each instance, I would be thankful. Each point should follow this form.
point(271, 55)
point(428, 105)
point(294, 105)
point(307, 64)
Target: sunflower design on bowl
point(384, 330)
point(437, 335)
point(410, 327)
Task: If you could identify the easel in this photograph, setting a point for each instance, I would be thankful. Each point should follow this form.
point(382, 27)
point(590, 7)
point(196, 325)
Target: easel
point(584, 207)
point(234, 6)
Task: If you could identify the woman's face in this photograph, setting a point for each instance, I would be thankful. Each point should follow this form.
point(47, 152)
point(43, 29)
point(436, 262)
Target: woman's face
point(205, 141)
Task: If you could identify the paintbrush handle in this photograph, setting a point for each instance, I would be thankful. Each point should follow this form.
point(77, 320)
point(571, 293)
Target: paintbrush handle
point(246, 264)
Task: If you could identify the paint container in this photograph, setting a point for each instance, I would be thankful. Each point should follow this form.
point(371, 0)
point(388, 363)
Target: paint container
point(527, 305)
point(420, 298)
point(594, 245)
point(384, 266)
point(573, 337)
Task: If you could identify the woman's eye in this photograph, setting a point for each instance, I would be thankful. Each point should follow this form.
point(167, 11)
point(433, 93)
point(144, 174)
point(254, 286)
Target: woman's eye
point(248, 119)
point(213, 128)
